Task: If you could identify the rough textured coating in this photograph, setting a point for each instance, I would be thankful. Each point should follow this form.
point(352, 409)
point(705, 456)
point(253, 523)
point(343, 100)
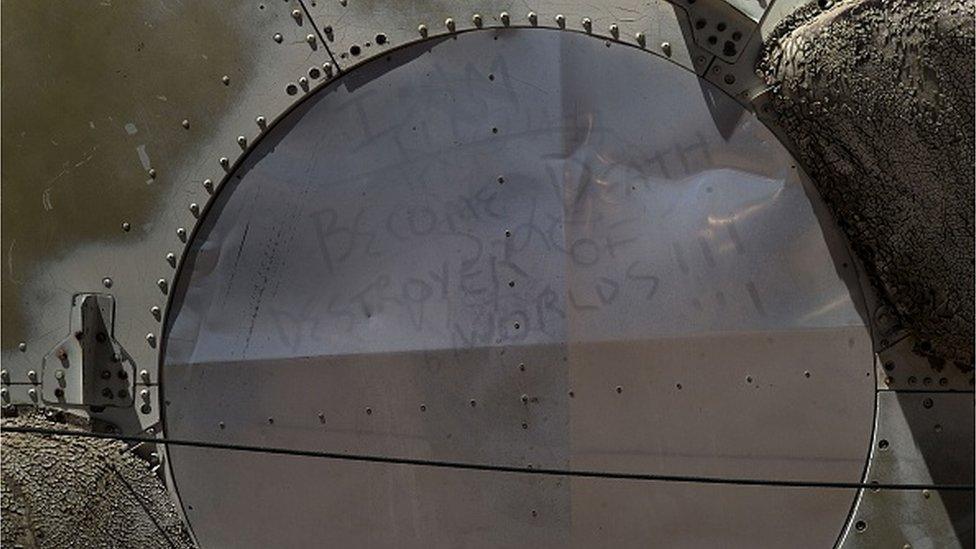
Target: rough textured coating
point(877, 97)
point(73, 492)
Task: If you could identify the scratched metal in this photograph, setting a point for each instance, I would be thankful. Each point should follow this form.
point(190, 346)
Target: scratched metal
point(525, 248)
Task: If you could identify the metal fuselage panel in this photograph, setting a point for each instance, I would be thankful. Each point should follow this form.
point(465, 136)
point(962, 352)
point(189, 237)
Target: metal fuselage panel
point(516, 247)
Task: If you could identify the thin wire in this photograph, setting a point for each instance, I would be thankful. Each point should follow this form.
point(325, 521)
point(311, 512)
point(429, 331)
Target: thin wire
point(496, 468)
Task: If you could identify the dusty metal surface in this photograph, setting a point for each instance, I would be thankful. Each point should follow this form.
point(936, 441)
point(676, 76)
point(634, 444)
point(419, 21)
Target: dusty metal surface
point(920, 437)
point(490, 256)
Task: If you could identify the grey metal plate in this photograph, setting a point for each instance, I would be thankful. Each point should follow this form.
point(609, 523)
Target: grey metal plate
point(921, 437)
point(645, 289)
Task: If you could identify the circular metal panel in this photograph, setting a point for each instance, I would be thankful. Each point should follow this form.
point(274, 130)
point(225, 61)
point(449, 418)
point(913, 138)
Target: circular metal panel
point(518, 247)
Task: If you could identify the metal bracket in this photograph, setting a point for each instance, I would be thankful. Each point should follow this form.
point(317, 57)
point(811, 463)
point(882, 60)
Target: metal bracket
point(89, 368)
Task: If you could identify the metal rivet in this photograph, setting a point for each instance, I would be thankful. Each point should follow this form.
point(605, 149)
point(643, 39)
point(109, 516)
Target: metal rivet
point(587, 24)
point(195, 209)
point(261, 122)
point(144, 374)
point(619, 389)
point(533, 18)
point(208, 185)
point(161, 283)
point(927, 403)
point(226, 80)
point(422, 29)
point(186, 124)
point(59, 374)
point(151, 339)
point(155, 312)
point(22, 346)
point(729, 79)
point(806, 373)
point(614, 30)
point(181, 233)
point(506, 18)
point(369, 411)
point(224, 162)
point(107, 282)
point(926, 494)
point(4, 376)
point(278, 38)
point(242, 141)
point(525, 399)
point(860, 526)
point(144, 394)
point(62, 354)
point(5, 395)
point(221, 425)
point(561, 20)
point(321, 417)
point(327, 67)
point(171, 259)
point(641, 39)
point(32, 393)
point(449, 23)
point(296, 14)
point(152, 173)
point(473, 403)
point(126, 227)
point(666, 49)
point(303, 82)
point(476, 19)
point(310, 38)
point(32, 376)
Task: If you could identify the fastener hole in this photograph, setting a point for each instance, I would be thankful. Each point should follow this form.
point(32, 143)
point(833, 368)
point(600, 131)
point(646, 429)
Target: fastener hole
point(720, 27)
point(355, 50)
point(700, 24)
point(380, 39)
point(728, 49)
point(883, 444)
point(291, 89)
point(713, 40)
point(314, 73)
point(860, 526)
point(736, 36)
point(729, 79)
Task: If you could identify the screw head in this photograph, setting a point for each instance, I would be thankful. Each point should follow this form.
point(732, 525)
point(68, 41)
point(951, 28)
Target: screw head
point(4, 376)
point(107, 282)
point(641, 39)
point(666, 49)
point(5, 394)
point(242, 141)
point(171, 259)
point(261, 122)
point(561, 20)
point(506, 18)
point(126, 227)
point(181, 233)
point(32, 393)
point(195, 209)
point(208, 185)
point(22, 346)
point(278, 38)
point(533, 18)
point(144, 375)
point(152, 173)
point(161, 284)
point(226, 80)
point(151, 339)
point(296, 14)
point(310, 38)
point(224, 162)
point(587, 24)
point(614, 30)
point(422, 30)
point(476, 20)
point(449, 23)
point(32, 376)
point(186, 124)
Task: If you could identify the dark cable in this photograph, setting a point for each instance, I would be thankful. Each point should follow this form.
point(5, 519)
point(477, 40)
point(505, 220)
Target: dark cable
point(495, 468)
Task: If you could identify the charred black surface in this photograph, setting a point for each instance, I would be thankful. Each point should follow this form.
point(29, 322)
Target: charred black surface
point(877, 97)
point(59, 492)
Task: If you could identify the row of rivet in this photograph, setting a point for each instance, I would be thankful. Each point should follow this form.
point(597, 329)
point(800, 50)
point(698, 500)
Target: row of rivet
point(533, 19)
